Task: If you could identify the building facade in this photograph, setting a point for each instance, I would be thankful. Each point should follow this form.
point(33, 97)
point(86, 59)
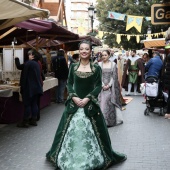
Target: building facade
point(70, 13)
point(56, 8)
point(77, 15)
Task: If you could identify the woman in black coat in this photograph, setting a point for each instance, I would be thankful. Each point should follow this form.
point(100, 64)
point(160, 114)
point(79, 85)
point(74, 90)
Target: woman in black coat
point(167, 83)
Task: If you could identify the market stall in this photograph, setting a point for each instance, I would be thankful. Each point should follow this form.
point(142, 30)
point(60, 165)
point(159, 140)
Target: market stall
point(11, 106)
point(154, 43)
point(34, 28)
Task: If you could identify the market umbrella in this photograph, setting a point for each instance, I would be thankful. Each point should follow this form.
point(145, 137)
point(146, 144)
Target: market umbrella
point(14, 11)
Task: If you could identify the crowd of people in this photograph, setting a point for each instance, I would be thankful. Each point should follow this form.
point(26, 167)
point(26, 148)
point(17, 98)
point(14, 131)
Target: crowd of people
point(94, 99)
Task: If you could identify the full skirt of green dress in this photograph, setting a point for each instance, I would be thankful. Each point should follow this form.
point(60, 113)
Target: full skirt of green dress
point(80, 148)
point(82, 143)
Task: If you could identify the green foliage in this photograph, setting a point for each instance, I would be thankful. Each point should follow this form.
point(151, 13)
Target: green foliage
point(128, 7)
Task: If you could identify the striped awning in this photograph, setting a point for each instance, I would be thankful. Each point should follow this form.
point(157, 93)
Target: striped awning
point(152, 43)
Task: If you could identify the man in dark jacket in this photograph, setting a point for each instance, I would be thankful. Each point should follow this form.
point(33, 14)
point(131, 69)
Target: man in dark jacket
point(32, 88)
point(60, 68)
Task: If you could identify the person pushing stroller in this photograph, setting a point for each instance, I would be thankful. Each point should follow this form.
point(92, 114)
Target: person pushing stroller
point(153, 93)
point(154, 66)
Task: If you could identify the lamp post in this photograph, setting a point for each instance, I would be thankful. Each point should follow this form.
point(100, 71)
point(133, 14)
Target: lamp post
point(149, 31)
point(92, 13)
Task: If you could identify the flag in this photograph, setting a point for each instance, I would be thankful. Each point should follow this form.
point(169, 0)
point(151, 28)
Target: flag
point(148, 18)
point(134, 21)
point(117, 16)
point(118, 38)
point(101, 33)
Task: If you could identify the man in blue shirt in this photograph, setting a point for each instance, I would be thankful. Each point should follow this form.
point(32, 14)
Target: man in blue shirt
point(154, 66)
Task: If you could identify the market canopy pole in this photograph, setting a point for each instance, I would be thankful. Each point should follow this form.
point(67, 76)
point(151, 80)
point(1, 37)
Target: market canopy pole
point(8, 32)
point(14, 11)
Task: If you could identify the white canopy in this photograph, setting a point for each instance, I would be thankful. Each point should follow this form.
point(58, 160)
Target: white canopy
point(14, 11)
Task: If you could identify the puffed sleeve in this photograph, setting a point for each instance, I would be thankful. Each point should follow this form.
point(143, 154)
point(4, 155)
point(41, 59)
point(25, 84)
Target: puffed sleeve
point(70, 83)
point(98, 85)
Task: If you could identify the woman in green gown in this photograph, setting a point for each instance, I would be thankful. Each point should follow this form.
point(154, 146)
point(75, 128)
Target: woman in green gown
point(82, 141)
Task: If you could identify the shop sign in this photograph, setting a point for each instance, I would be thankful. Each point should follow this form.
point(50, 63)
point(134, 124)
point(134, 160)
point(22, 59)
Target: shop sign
point(160, 14)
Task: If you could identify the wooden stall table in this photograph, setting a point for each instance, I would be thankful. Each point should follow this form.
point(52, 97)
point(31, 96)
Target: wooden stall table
point(11, 105)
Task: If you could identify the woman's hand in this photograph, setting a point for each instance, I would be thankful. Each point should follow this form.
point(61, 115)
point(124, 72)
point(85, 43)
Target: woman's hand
point(139, 73)
point(76, 100)
point(80, 102)
point(83, 102)
point(106, 87)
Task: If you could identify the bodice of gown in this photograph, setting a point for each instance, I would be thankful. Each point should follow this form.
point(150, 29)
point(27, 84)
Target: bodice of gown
point(106, 75)
point(84, 83)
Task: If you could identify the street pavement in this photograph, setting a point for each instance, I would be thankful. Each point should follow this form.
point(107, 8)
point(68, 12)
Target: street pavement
point(145, 140)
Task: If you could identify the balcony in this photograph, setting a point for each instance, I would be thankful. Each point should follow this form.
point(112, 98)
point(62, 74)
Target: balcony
point(84, 1)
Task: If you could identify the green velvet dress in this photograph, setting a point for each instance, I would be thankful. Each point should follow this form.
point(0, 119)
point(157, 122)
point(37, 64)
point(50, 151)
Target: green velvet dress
point(82, 141)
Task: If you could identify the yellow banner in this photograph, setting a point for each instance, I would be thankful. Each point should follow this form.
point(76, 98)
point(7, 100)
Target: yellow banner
point(134, 21)
point(118, 39)
point(100, 34)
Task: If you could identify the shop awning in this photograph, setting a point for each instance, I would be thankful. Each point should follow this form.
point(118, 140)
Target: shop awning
point(14, 11)
point(41, 43)
point(34, 28)
point(153, 43)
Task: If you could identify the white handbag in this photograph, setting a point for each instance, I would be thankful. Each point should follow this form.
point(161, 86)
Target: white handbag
point(151, 89)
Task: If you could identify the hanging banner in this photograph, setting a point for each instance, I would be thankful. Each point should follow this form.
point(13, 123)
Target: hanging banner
point(148, 18)
point(134, 21)
point(117, 16)
point(137, 38)
point(118, 38)
point(100, 34)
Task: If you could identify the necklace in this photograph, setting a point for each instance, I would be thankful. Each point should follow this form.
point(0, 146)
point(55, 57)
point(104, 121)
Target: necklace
point(84, 65)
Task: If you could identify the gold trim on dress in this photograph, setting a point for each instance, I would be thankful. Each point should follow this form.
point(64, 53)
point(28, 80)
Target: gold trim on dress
point(62, 137)
point(107, 160)
point(83, 74)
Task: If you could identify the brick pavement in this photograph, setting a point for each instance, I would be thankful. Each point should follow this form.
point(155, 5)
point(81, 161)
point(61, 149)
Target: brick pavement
point(145, 140)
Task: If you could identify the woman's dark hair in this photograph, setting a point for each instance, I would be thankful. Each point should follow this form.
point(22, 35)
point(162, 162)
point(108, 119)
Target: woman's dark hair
point(107, 51)
point(60, 52)
point(36, 54)
point(86, 42)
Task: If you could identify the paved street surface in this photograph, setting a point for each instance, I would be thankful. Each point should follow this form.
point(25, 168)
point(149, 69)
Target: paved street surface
point(145, 140)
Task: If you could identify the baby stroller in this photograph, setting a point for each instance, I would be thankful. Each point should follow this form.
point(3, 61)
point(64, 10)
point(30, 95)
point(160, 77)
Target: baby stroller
point(154, 96)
